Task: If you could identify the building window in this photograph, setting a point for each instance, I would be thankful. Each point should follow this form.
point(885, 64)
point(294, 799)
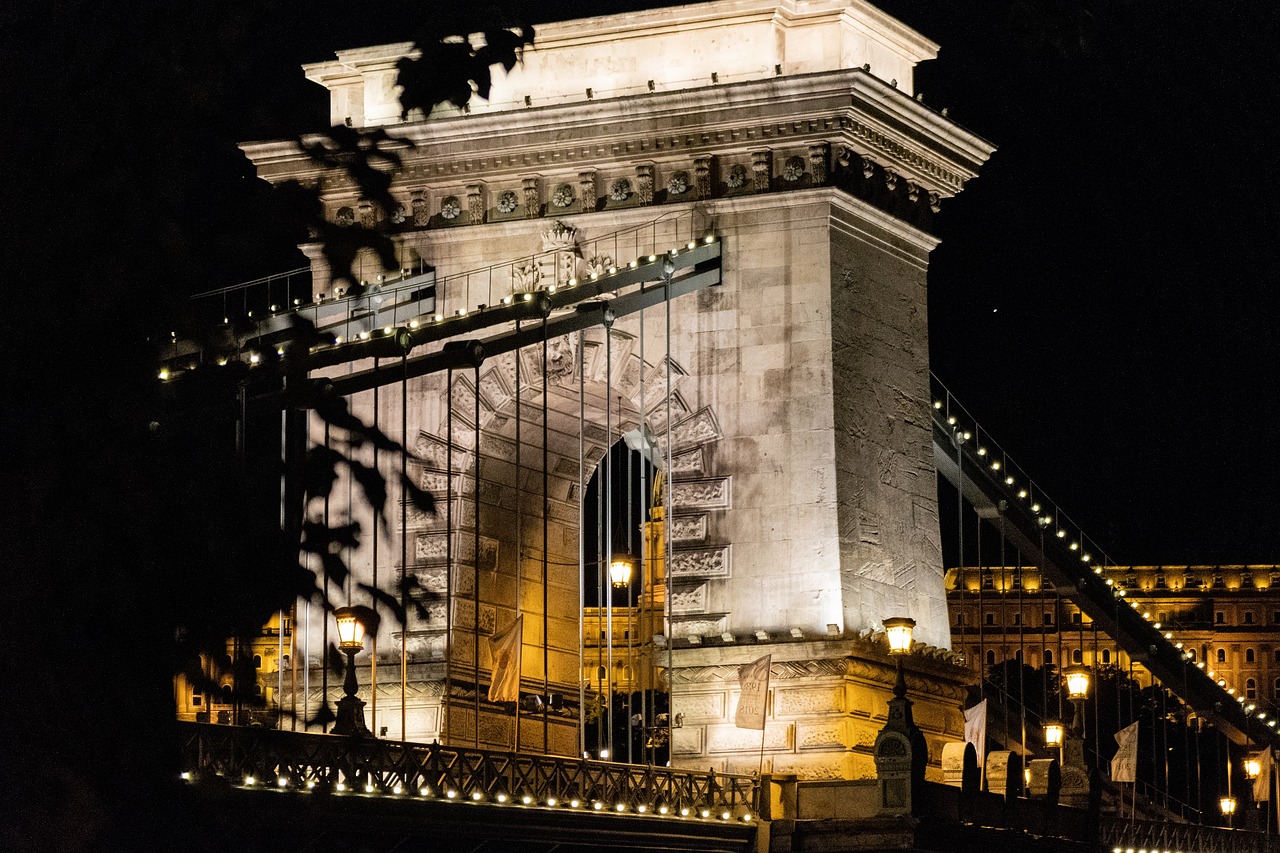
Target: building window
point(1277, 655)
point(1250, 689)
point(991, 660)
point(1017, 656)
point(1160, 581)
point(257, 661)
point(1248, 655)
point(1106, 655)
point(1275, 689)
point(1219, 618)
point(1192, 652)
point(1048, 618)
point(1048, 657)
point(1017, 618)
point(1162, 616)
point(960, 620)
point(987, 582)
point(1275, 617)
point(1075, 618)
point(1077, 656)
point(990, 619)
point(1222, 655)
point(1248, 617)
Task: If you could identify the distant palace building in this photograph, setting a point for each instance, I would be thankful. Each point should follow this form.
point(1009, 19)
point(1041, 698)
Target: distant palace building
point(1226, 617)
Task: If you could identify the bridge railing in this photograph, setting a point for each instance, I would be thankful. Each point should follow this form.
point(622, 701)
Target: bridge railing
point(1125, 835)
point(299, 761)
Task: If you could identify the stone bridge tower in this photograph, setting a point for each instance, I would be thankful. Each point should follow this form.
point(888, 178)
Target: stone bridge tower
point(803, 490)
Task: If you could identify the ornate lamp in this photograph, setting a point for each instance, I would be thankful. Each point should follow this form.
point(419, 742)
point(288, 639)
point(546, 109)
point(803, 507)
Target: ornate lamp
point(1228, 806)
point(900, 750)
point(351, 627)
point(1053, 731)
point(1252, 768)
point(1078, 679)
point(897, 630)
point(620, 571)
point(1075, 776)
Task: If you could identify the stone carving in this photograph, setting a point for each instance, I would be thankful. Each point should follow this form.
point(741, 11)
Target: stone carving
point(431, 450)
point(345, 218)
point(475, 202)
point(688, 463)
point(562, 196)
point(450, 208)
point(868, 168)
point(525, 277)
point(702, 563)
point(620, 190)
point(421, 210)
point(895, 150)
point(793, 169)
point(703, 706)
point(644, 184)
point(699, 628)
point(913, 191)
point(818, 163)
point(688, 528)
point(737, 176)
point(734, 739)
point(935, 202)
point(689, 600)
point(587, 190)
point(562, 359)
point(700, 494)
point(507, 201)
point(398, 215)
point(560, 237)
point(532, 207)
point(891, 179)
point(762, 167)
point(599, 264)
point(819, 736)
point(698, 428)
point(368, 213)
point(678, 184)
point(702, 177)
point(818, 700)
point(431, 547)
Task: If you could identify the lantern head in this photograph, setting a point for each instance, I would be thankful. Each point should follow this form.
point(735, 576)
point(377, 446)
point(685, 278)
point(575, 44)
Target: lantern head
point(350, 629)
point(897, 629)
point(620, 571)
point(1228, 805)
point(1053, 731)
point(1077, 682)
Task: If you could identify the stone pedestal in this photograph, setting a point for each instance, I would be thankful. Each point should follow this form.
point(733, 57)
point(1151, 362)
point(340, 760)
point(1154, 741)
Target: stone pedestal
point(827, 703)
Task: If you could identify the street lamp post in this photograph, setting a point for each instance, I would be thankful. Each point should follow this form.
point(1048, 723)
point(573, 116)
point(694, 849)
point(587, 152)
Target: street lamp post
point(900, 749)
point(351, 629)
point(1074, 790)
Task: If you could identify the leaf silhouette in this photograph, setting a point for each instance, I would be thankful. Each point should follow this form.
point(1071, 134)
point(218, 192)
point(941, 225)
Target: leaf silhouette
point(420, 498)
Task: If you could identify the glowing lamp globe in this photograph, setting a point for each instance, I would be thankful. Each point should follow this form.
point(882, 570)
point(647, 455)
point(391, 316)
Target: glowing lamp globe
point(1053, 731)
point(897, 630)
point(350, 629)
point(1252, 767)
point(620, 571)
point(1228, 805)
point(1077, 682)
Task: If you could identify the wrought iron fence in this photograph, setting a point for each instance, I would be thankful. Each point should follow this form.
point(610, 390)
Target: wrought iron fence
point(266, 757)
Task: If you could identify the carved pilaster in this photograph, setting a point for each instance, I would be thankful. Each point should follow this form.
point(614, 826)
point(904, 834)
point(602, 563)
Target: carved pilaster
point(702, 177)
point(532, 206)
point(818, 163)
point(587, 191)
point(421, 210)
point(475, 202)
point(762, 168)
point(644, 184)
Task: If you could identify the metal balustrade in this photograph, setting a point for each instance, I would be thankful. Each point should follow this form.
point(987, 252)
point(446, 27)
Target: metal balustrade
point(268, 758)
point(1159, 836)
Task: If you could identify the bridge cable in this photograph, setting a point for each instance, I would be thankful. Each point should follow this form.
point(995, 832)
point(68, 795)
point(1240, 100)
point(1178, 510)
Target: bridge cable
point(324, 640)
point(520, 533)
point(373, 646)
point(546, 511)
point(607, 483)
point(582, 551)
point(475, 548)
point(448, 558)
point(404, 548)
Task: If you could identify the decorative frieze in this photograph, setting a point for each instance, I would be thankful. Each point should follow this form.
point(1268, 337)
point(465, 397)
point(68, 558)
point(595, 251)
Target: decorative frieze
point(532, 204)
point(762, 170)
point(587, 191)
point(818, 163)
point(698, 428)
point(721, 739)
point(688, 528)
point(644, 184)
point(421, 208)
point(702, 177)
point(689, 599)
point(475, 202)
point(689, 463)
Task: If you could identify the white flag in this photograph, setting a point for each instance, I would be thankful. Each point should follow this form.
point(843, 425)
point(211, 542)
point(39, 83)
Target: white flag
point(975, 730)
point(1262, 783)
point(754, 680)
point(505, 649)
point(1124, 767)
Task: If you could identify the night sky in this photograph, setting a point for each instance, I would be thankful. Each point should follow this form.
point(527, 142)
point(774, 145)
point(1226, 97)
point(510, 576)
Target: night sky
point(1103, 298)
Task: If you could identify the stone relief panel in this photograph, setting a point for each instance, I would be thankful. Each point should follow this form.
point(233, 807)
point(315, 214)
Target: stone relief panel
point(777, 738)
point(700, 494)
point(689, 599)
point(798, 701)
point(688, 740)
point(689, 463)
point(701, 563)
point(698, 627)
point(698, 428)
point(688, 528)
point(431, 548)
point(829, 734)
point(703, 706)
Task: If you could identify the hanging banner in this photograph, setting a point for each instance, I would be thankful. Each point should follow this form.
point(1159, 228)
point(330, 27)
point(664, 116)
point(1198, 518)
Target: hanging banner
point(1124, 767)
point(975, 730)
point(754, 680)
point(1262, 783)
point(505, 649)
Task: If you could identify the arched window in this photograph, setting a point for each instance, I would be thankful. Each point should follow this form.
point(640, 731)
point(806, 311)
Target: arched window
point(1250, 689)
point(257, 661)
point(1048, 618)
point(1106, 655)
point(1275, 689)
point(991, 660)
point(1222, 655)
point(1077, 656)
point(1075, 618)
point(1018, 655)
point(1248, 655)
point(1048, 657)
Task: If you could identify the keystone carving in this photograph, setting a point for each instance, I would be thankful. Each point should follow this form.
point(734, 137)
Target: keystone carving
point(421, 209)
point(475, 202)
point(587, 190)
point(702, 177)
point(531, 205)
